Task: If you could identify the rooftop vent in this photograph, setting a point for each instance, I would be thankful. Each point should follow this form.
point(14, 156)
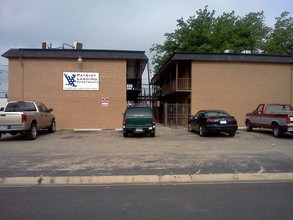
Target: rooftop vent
point(228, 51)
point(46, 45)
point(77, 45)
point(246, 51)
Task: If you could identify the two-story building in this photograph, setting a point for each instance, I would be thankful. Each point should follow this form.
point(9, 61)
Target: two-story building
point(88, 89)
point(237, 83)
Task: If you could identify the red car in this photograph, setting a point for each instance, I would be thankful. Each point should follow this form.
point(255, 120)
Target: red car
point(213, 121)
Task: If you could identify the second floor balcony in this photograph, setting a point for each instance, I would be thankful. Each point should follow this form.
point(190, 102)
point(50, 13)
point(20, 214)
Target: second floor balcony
point(181, 85)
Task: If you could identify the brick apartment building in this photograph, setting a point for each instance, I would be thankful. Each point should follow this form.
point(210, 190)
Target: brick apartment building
point(88, 89)
point(236, 83)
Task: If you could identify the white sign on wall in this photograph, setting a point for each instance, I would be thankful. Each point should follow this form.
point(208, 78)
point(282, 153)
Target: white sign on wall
point(80, 81)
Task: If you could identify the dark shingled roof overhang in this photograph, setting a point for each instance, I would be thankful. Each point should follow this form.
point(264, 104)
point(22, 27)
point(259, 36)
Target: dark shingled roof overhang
point(71, 53)
point(136, 60)
point(224, 57)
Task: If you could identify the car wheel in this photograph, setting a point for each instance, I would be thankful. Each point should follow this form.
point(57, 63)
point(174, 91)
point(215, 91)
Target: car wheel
point(152, 134)
point(232, 134)
point(32, 132)
point(248, 126)
point(52, 127)
point(125, 134)
point(202, 132)
point(189, 128)
point(277, 132)
point(0, 135)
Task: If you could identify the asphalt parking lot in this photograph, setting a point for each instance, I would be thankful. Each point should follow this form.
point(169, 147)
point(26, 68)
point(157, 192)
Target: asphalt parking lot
point(172, 151)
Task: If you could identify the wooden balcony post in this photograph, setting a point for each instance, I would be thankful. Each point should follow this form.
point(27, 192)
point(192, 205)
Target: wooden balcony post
point(176, 79)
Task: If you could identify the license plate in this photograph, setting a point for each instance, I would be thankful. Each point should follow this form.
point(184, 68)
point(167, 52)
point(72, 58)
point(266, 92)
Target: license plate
point(139, 130)
point(3, 127)
point(223, 122)
point(290, 129)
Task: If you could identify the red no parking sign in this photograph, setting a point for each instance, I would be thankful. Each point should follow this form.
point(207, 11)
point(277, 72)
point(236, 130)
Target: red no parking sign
point(105, 102)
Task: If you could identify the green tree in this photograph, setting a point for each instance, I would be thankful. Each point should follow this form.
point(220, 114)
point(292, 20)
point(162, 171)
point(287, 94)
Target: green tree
point(251, 30)
point(192, 35)
point(280, 39)
point(224, 32)
point(207, 33)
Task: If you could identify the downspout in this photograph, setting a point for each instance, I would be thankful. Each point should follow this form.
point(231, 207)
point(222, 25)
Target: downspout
point(149, 81)
point(176, 93)
point(291, 86)
point(22, 75)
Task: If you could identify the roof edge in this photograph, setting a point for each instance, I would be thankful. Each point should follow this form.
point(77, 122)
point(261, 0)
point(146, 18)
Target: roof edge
point(73, 53)
point(220, 57)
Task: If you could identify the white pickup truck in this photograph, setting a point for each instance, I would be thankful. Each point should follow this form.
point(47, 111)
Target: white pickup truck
point(26, 117)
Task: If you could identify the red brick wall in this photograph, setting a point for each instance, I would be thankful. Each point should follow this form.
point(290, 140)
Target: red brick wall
point(42, 80)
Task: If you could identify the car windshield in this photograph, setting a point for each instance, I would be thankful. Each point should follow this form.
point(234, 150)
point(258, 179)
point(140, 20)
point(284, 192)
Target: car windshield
point(138, 112)
point(217, 114)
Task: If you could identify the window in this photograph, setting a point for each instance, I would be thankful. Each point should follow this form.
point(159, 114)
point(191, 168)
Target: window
point(278, 108)
point(139, 111)
point(217, 114)
point(20, 107)
point(259, 109)
point(42, 107)
point(29, 106)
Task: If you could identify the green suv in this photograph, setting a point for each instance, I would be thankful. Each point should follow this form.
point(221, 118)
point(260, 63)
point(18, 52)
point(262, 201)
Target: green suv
point(139, 120)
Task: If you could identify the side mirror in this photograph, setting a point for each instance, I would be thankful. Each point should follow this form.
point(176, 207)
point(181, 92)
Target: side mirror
point(50, 110)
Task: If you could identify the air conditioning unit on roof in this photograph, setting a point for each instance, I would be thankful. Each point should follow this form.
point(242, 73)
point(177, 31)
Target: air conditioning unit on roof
point(77, 46)
point(228, 51)
point(246, 51)
point(46, 45)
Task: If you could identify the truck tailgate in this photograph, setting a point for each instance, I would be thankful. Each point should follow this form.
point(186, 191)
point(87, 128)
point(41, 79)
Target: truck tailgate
point(10, 118)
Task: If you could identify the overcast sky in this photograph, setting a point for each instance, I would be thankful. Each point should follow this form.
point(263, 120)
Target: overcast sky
point(109, 24)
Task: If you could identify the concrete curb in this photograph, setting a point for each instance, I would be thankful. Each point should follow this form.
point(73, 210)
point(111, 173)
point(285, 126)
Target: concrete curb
point(146, 179)
point(88, 129)
point(97, 129)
